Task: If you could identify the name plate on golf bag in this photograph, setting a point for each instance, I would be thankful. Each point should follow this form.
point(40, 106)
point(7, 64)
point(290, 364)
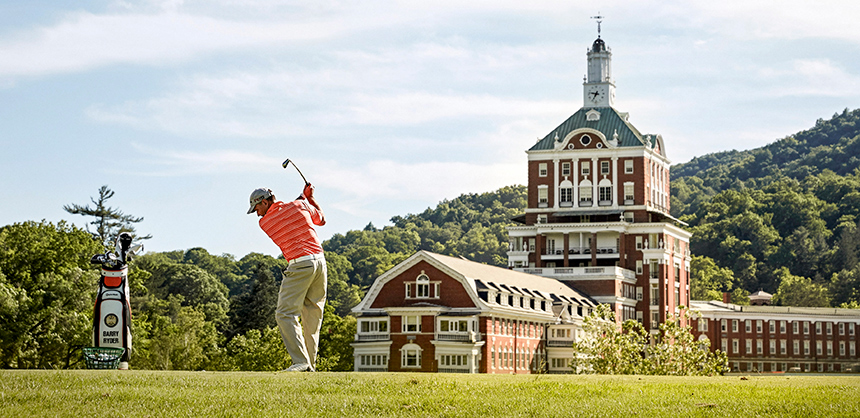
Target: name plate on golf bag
point(112, 319)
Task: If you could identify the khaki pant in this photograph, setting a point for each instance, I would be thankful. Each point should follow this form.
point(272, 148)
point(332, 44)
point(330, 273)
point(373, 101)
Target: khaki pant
point(303, 291)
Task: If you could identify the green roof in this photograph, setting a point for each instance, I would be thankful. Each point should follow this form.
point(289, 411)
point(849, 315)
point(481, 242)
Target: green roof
point(610, 122)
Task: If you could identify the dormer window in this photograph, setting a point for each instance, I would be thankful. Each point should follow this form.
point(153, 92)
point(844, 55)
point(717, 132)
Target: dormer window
point(592, 115)
point(422, 288)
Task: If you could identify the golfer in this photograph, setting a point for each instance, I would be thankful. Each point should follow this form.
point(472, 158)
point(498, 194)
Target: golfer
point(303, 288)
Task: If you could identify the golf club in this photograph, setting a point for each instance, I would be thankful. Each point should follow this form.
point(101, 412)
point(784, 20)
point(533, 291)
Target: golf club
point(287, 162)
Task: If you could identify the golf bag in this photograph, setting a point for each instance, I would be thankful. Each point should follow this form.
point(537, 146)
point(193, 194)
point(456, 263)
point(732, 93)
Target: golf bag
point(112, 314)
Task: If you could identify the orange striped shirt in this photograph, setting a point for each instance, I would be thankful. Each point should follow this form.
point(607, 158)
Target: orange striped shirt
point(289, 226)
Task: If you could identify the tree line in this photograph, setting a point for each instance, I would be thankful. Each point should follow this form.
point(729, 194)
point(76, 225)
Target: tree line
point(782, 218)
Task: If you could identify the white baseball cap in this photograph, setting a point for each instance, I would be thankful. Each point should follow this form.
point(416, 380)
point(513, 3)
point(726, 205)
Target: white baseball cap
point(257, 196)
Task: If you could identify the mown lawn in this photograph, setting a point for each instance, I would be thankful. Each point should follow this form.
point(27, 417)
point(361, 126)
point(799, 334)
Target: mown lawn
point(83, 393)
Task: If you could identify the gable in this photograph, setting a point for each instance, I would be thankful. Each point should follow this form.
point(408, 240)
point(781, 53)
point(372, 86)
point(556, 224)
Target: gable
point(606, 120)
point(393, 292)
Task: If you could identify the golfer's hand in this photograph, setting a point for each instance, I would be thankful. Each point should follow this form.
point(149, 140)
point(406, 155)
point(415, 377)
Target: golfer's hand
point(308, 192)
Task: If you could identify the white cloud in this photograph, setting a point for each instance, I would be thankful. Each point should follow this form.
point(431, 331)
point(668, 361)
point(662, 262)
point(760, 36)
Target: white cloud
point(85, 40)
point(177, 163)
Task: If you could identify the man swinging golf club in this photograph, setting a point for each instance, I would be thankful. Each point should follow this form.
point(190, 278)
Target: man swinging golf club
point(303, 287)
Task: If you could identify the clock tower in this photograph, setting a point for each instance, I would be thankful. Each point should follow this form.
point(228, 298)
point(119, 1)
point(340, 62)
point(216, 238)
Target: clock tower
point(599, 89)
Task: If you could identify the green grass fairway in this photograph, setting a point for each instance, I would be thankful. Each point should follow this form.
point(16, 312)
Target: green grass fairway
point(82, 393)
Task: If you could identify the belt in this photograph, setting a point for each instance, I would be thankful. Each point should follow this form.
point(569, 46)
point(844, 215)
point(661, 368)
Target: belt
point(306, 257)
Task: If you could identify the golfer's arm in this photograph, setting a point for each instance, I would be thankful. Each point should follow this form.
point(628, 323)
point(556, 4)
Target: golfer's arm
point(316, 206)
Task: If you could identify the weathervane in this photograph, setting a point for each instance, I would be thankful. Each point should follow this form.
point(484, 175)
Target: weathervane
point(599, 19)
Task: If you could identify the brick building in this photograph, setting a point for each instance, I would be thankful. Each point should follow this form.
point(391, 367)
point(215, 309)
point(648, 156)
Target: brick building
point(435, 313)
point(598, 208)
point(597, 229)
point(780, 338)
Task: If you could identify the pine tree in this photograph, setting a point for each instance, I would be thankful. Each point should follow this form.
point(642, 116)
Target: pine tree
point(109, 222)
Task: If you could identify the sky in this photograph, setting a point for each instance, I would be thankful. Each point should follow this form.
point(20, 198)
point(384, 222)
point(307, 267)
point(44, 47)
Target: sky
point(388, 107)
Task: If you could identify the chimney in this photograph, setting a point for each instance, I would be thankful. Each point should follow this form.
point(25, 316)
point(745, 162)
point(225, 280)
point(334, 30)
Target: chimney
point(727, 298)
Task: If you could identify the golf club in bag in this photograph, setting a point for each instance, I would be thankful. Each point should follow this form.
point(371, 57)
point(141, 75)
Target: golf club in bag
point(112, 315)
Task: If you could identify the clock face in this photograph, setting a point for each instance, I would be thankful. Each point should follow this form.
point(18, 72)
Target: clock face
point(596, 94)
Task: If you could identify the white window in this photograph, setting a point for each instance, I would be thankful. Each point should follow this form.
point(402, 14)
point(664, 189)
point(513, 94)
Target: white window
point(638, 266)
point(410, 355)
point(565, 169)
point(628, 166)
point(655, 295)
point(411, 323)
point(736, 347)
point(796, 347)
point(795, 327)
point(841, 348)
point(628, 193)
point(851, 350)
point(748, 325)
point(850, 329)
point(830, 348)
point(782, 327)
point(724, 345)
point(541, 219)
point(734, 325)
point(723, 325)
point(542, 171)
point(703, 325)
point(758, 326)
point(806, 327)
point(604, 167)
point(604, 193)
point(585, 168)
point(373, 326)
point(638, 243)
point(749, 346)
point(772, 325)
point(818, 349)
point(422, 286)
point(772, 346)
point(585, 192)
point(829, 328)
point(818, 327)
point(806, 348)
point(543, 192)
point(841, 329)
point(453, 325)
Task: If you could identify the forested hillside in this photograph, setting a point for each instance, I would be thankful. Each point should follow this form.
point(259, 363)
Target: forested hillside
point(194, 310)
point(782, 218)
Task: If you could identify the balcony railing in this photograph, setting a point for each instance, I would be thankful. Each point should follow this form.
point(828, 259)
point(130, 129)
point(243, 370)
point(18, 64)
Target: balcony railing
point(582, 250)
point(559, 343)
point(466, 337)
point(580, 271)
point(372, 337)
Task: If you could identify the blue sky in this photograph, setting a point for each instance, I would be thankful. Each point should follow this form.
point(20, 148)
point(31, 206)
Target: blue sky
point(388, 107)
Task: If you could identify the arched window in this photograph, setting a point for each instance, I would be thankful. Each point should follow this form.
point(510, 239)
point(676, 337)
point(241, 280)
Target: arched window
point(585, 191)
point(565, 193)
point(422, 286)
point(604, 192)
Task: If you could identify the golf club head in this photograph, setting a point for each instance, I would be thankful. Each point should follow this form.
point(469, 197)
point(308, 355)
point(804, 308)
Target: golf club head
point(98, 259)
point(286, 163)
